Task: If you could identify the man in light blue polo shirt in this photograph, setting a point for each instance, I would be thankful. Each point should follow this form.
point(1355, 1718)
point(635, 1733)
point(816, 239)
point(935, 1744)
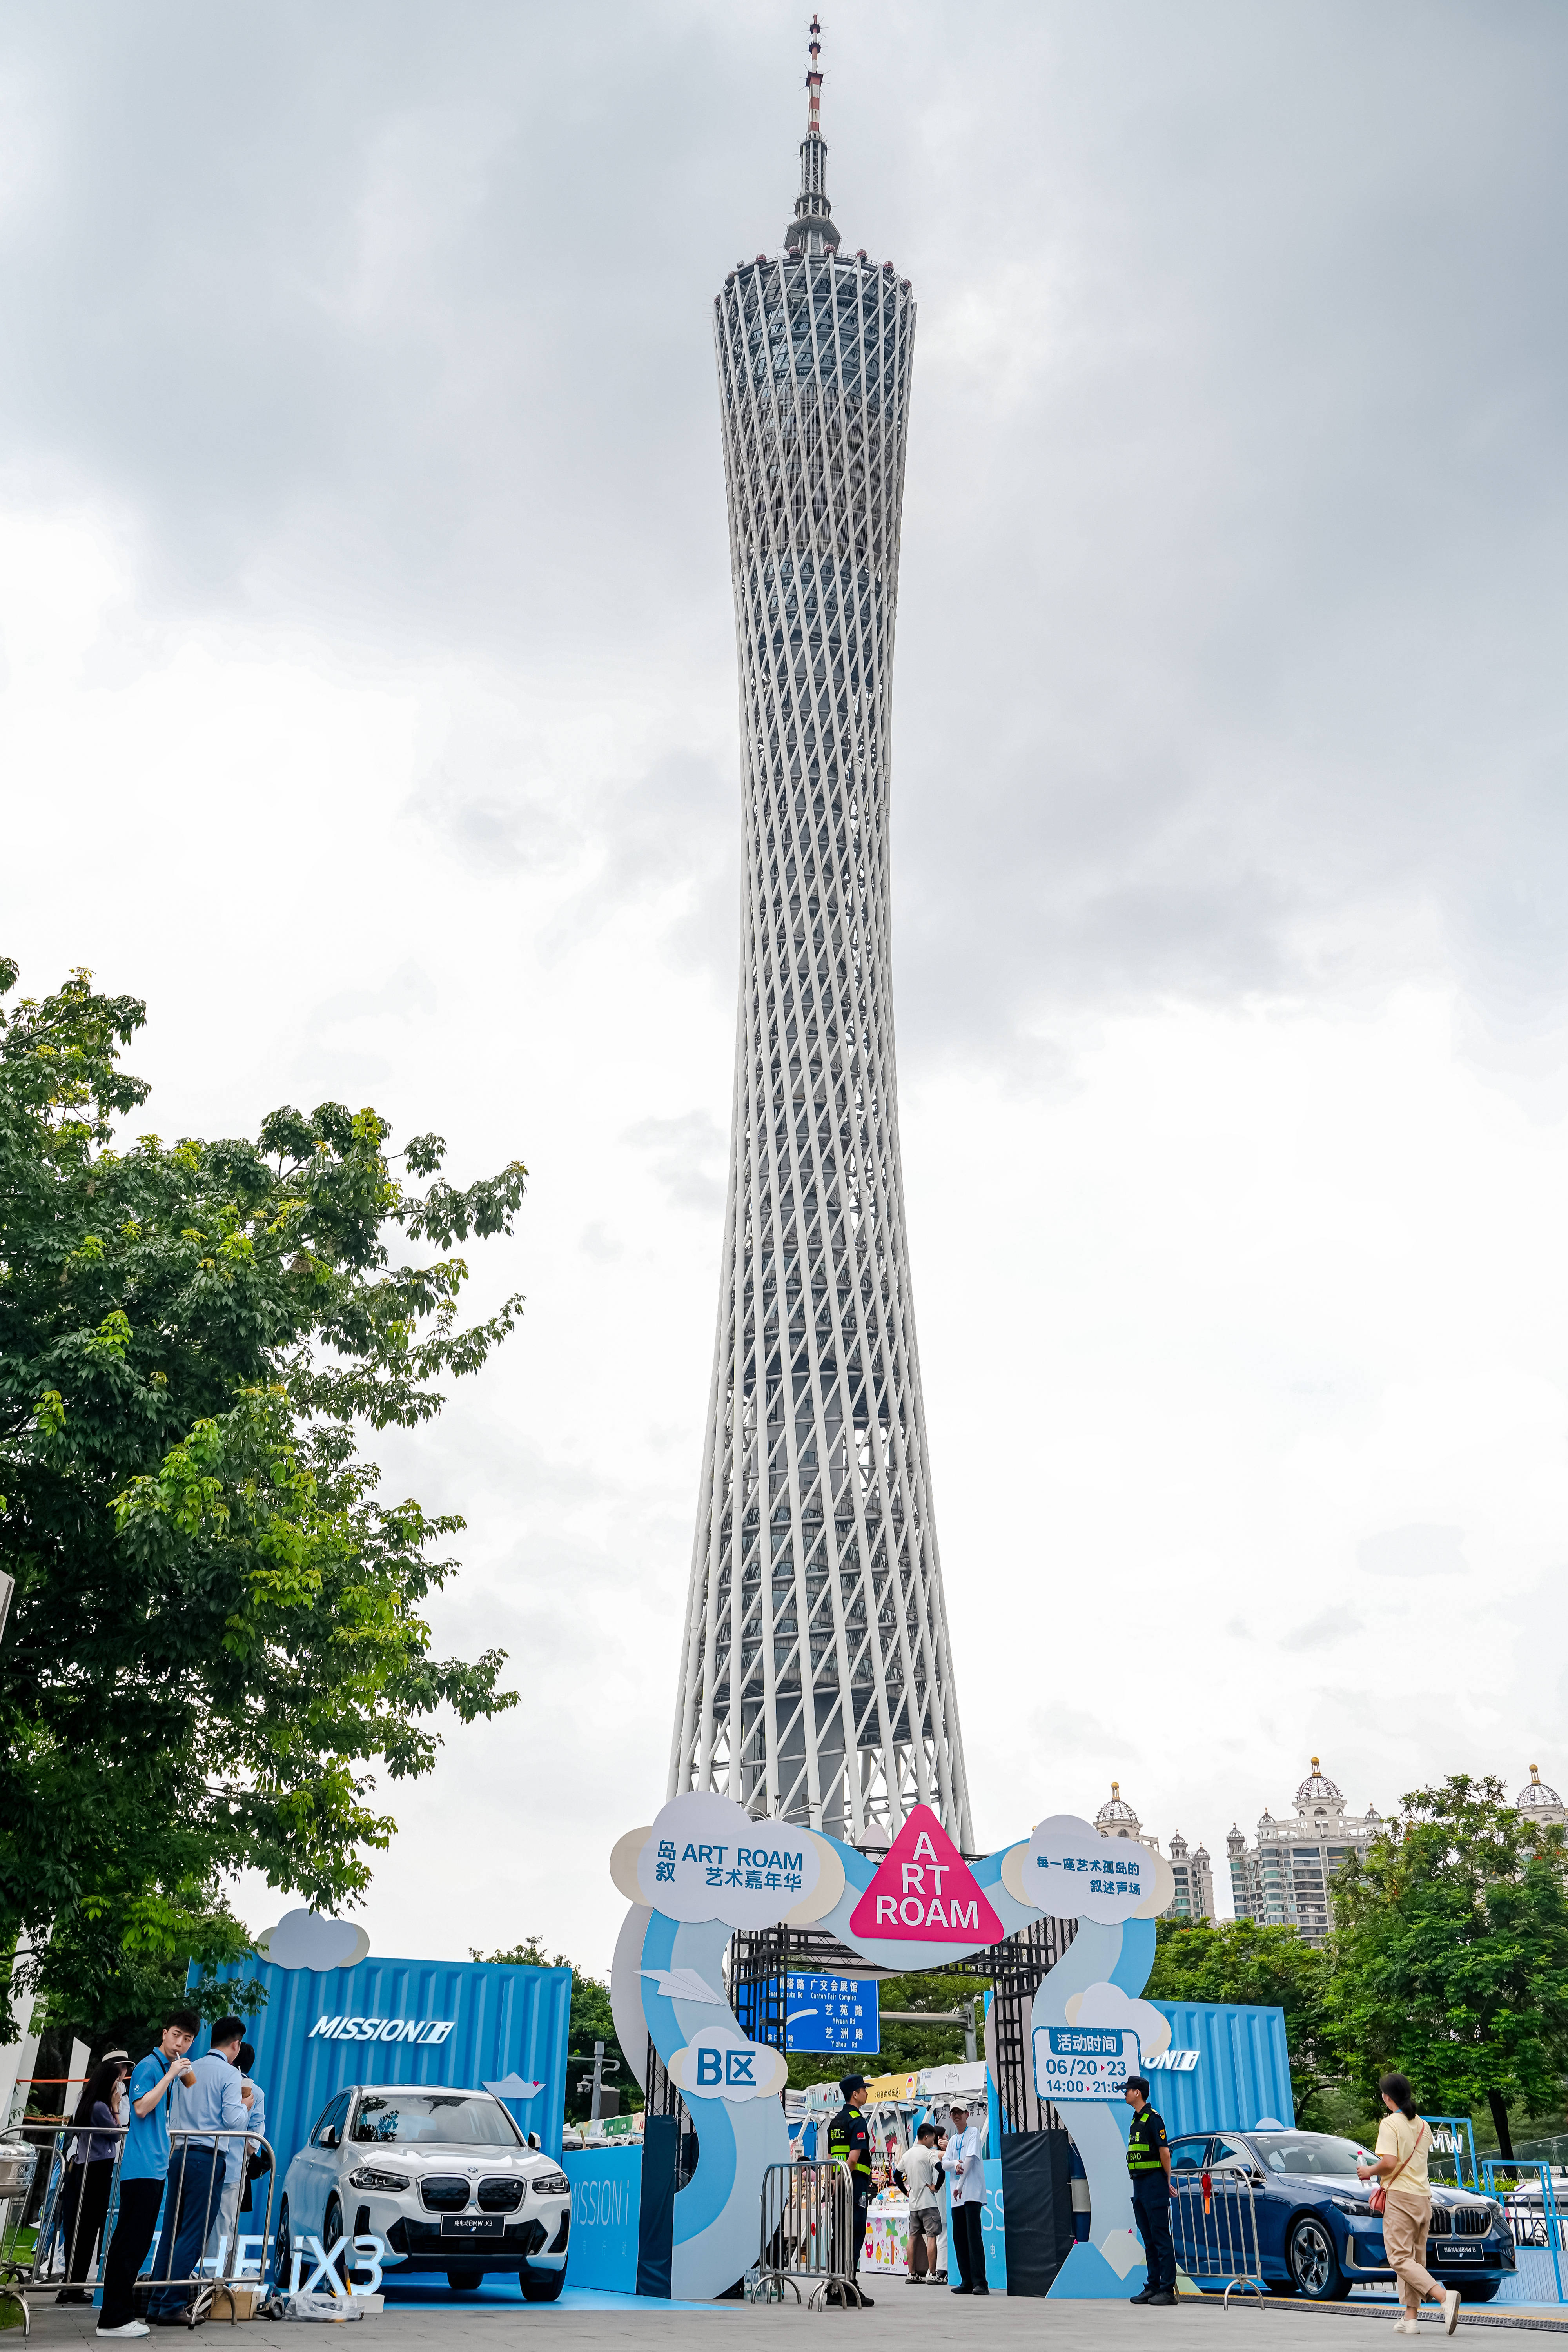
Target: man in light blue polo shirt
point(143, 2170)
point(212, 2103)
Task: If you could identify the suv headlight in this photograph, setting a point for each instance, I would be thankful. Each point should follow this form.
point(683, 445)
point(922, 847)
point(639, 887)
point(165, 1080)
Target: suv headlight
point(1357, 2205)
point(368, 2177)
point(552, 2184)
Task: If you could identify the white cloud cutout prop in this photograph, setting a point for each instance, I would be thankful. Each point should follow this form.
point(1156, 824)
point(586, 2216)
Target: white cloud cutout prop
point(1071, 1872)
point(1164, 1890)
point(304, 1939)
point(720, 2063)
point(1108, 2005)
point(705, 1858)
point(623, 1863)
point(1015, 1863)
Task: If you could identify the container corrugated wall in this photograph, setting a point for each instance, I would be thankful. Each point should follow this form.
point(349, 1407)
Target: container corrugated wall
point(504, 2021)
point(1243, 2072)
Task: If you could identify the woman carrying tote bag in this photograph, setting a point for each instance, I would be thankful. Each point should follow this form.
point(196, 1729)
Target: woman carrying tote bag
point(1404, 2197)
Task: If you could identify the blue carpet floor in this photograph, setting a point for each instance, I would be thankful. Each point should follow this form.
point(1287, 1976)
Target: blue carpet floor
point(505, 2294)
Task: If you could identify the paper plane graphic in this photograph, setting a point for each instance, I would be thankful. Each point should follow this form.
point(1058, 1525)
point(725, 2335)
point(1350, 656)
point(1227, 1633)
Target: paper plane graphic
point(685, 1984)
point(512, 2087)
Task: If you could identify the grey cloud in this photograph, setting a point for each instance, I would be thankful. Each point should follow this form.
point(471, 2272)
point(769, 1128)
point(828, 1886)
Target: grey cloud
point(1234, 584)
point(1414, 1551)
point(687, 1155)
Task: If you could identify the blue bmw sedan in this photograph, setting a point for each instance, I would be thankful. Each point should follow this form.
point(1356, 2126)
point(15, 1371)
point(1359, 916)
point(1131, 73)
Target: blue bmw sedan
point(1287, 2205)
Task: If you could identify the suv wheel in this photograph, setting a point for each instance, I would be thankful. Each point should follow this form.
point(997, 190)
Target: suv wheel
point(465, 2280)
point(1314, 2265)
point(543, 2286)
point(282, 2254)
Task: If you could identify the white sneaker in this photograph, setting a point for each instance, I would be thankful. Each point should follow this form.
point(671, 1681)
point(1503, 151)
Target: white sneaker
point(1450, 2311)
point(1406, 2326)
point(131, 2327)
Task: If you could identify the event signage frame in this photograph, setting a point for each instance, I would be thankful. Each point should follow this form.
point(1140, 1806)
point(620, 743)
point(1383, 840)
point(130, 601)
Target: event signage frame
point(703, 1869)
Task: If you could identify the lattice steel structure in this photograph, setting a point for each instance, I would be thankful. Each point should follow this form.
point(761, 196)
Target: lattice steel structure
point(817, 1681)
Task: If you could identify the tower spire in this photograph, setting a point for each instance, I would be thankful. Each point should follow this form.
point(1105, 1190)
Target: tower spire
point(812, 231)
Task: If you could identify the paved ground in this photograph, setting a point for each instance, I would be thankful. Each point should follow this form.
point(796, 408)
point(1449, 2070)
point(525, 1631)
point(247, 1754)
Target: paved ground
point(932, 2315)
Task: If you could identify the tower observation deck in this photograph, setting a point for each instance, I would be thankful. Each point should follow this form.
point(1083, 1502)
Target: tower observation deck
point(816, 1683)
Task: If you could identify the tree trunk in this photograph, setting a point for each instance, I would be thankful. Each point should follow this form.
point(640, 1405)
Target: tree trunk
point(1499, 2106)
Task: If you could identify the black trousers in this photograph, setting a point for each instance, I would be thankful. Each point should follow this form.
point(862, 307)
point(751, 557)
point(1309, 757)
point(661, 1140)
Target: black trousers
point(138, 2203)
point(82, 2208)
point(1151, 2211)
point(968, 2244)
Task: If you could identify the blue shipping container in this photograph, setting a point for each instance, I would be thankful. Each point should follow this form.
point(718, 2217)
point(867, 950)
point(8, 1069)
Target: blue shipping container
point(497, 2021)
point(1242, 2070)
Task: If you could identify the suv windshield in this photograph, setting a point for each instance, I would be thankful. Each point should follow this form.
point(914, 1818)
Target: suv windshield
point(1307, 2151)
point(455, 2117)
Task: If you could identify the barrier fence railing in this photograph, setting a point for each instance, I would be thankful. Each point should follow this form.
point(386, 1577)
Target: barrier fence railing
point(61, 2204)
point(1214, 2222)
point(1528, 2199)
point(808, 2233)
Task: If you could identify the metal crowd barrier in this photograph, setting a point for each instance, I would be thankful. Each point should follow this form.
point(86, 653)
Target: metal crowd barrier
point(1525, 2191)
point(808, 2233)
point(56, 2222)
point(1214, 2222)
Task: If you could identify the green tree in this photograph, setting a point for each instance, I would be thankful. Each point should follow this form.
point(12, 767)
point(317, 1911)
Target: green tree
point(1450, 1953)
point(216, 1638)
point(1266, 1966)
point(591, 2022)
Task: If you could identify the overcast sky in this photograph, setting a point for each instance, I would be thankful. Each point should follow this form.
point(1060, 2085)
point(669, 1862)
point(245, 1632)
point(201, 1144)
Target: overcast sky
point(370, 708)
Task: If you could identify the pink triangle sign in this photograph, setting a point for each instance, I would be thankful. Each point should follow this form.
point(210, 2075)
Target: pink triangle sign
point(924, 1892)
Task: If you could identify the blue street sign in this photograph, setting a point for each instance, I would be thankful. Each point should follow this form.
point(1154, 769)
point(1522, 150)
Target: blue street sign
point(835, 2015)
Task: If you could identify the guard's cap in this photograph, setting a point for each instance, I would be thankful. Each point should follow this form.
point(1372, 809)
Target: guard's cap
point(849, 2084)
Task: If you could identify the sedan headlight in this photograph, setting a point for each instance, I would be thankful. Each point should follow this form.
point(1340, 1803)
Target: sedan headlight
point(368, 2177)
point(552, 2184)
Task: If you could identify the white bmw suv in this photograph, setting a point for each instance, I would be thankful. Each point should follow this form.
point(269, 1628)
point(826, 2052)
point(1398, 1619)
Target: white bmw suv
point(445, 2176)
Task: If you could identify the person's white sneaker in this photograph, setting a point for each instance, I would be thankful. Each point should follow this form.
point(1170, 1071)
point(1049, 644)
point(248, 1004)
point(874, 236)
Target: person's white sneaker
point(1404, 2326)
point(131, 2327)
point(1450, 2311)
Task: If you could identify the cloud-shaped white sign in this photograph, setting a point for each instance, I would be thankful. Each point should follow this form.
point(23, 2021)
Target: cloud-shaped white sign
point(304, 1939)
point(1107, 2004)
point(1074, 1873)
point(705, 1858)
point(720, 2063)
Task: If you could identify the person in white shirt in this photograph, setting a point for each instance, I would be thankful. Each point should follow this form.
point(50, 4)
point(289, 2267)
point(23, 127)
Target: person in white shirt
point(919, 2169)
point(966, 2172)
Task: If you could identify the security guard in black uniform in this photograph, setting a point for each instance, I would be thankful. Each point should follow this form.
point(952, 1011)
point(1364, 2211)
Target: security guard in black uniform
point(1149, 2163)
point(850, 2140)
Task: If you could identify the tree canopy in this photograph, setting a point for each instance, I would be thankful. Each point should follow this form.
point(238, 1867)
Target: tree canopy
point(1451, 1955)
point(216, 1643)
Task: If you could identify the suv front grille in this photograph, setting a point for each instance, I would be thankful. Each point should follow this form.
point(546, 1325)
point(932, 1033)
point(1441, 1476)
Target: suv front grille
point(1460, 2221)
point(444, 2192)
point(499, 2195)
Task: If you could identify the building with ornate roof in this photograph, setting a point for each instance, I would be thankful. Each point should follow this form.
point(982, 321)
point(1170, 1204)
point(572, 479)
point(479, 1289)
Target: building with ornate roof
point(1539, 1802)
point(1283, 1879)
point(1190, 1867)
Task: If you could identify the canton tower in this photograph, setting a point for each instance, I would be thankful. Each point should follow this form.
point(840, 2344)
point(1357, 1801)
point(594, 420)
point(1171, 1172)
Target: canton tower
point(816, 1683)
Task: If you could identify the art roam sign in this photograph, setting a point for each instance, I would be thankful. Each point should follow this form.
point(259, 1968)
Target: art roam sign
point(426, 2031)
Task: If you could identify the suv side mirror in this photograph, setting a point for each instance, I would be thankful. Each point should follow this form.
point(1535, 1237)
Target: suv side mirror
point(329, 2137)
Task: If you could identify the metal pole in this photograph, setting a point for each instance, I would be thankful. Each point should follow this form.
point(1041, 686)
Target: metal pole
point(969, 2038)
point(598, 2077)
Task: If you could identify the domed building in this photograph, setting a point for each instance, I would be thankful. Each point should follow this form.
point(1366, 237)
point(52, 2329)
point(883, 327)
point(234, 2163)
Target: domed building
point(1283, 1879)
point(1540, 1801)
point(1193, 1872)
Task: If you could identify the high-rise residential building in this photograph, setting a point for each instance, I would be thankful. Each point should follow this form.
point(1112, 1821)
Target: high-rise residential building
point(1190, 1867)
point(1283, 1880)
point(816, 1682)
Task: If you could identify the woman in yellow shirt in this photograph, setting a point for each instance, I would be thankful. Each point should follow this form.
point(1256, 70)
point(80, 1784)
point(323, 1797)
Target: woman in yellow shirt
point(1400, 2164)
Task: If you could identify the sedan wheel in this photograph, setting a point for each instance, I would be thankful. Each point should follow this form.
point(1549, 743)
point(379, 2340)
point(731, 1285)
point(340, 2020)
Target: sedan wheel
point(1314, 2265)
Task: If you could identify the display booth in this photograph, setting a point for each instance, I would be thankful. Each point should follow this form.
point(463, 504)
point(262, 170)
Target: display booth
point(704, 1872)
point(452, 2023)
